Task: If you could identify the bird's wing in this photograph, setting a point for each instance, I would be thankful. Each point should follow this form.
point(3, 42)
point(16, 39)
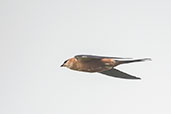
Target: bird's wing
point(94, 57)
point(119, 74)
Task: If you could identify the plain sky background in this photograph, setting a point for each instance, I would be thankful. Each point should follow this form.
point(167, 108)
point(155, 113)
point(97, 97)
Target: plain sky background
point(37, 36)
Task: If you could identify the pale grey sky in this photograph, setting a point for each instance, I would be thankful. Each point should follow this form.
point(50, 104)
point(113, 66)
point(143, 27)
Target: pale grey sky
point(37, 36)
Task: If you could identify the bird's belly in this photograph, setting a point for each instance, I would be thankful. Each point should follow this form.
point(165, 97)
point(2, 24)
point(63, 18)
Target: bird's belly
point(94, 68)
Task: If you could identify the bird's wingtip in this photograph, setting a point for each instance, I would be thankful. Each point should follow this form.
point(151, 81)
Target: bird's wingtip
point(137, 78)
point(147, 59)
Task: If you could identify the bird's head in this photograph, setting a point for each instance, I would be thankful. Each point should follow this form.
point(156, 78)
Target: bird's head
point(68, 63)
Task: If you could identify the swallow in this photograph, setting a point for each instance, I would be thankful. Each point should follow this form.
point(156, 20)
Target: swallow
point(101, 64)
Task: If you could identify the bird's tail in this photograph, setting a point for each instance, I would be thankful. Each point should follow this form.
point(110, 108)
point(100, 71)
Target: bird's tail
point(131, 61)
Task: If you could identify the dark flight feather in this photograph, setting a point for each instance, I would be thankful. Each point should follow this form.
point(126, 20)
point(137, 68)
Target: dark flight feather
point(97, 57)
point(118, 74)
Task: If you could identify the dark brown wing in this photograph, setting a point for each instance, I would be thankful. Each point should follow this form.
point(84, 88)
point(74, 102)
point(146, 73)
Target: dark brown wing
point(94, 57)
point(119, 74)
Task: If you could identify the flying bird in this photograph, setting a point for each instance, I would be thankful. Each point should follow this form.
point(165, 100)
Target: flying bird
point(101, 64)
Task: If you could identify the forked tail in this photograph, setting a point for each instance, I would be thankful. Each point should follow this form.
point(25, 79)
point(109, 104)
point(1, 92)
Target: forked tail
point(131, 61)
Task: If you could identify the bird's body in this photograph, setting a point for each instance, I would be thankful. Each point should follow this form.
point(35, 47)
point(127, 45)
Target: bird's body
point(92, 66)
point(101, 64)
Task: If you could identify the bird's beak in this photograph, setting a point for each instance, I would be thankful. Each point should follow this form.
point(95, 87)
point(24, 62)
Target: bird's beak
point(62, 65)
